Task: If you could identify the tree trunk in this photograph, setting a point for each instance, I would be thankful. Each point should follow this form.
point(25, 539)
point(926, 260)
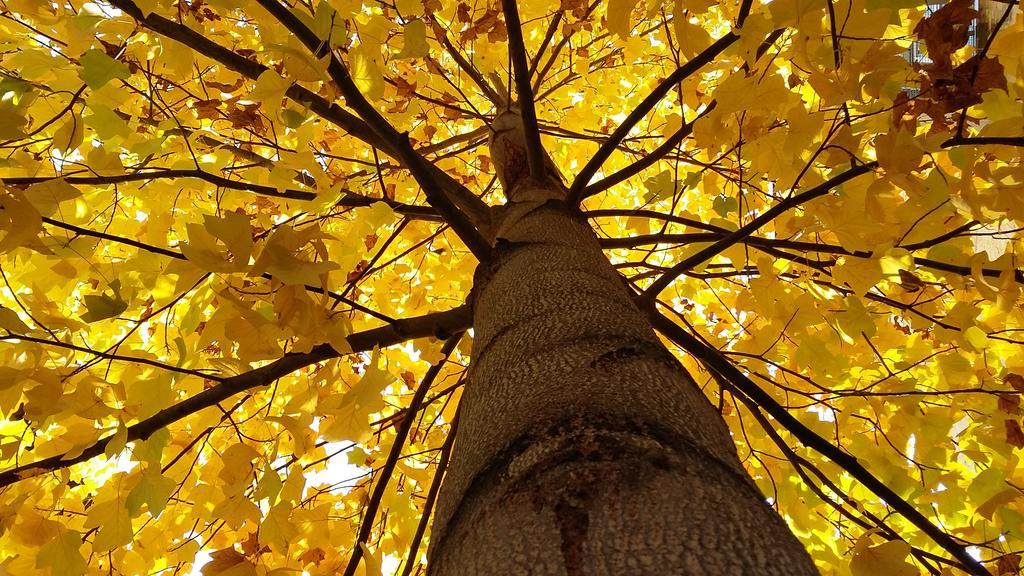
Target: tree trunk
point(584, 447)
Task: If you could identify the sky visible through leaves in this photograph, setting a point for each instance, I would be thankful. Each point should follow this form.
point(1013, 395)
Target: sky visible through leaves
point(224, 286)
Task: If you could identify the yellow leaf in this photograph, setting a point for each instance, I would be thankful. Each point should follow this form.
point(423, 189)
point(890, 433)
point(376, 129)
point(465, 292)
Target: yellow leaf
point(11, 122)
point(269, 89)
point(294, 485)
point(34, 64)
point(351, 411)
point(855, 323)
point(281, 257)
point(371, 564)
point(337, 331)
point(277, 530)
point(47, 196)
point(61, 554)
point(414, 36)
point(895, 260)
point(898, 152)
point(976, 337)
point(860, 274)
point(297, 431)
point(888, 558)
point(236, 511)
point(154, 490)
point(117, 442)
point(114, 524)
point(301, 66)
point(228, 562)
point(232, 230)
point(9, 320)
point(104, 163)
point(238, 460)
point(19, 220)
point(619, 20)
point(148, 6)
point(366, 72)
point(690, 37)
point(69, 135)
point(409, 8)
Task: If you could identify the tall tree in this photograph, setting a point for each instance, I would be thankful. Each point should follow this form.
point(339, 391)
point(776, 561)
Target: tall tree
point(343, 286)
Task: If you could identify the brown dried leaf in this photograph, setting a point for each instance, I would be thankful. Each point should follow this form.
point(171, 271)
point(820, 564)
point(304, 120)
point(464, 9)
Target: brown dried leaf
point(1008, 564)
point(946, 30)
point(1014, 435)
point(910, 282)
point(1009, 403)
point(207, 108)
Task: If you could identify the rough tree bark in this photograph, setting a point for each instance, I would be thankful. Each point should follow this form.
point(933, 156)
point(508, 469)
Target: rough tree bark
point(584, 447)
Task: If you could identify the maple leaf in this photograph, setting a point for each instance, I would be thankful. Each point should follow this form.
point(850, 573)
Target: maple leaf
point(62, 556)
point(1014, 434)
point(946, 30)
point(228, 562)
point(257, 264)
point(964, 85)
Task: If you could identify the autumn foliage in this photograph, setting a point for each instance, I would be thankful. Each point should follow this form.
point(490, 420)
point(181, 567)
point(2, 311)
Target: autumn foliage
point(236, 286)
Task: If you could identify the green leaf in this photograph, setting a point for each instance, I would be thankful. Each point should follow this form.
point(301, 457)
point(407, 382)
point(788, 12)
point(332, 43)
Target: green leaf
point(98, 69)
point(292, 118)
point(11, 123)
point(106, 123)
point(154, 490)
point(659, 187)
point(61, 554)
point(151, 449)
point(724, 205)
point(268, 486)
point(102, 306)
point(117, 442)
point(9, 320)
point(692, 180)
point(329, 25)
point(115, 526)
point(414, 34)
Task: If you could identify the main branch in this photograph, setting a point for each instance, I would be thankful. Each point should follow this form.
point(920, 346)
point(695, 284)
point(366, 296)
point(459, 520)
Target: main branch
point(517, 53)
point(422, 170)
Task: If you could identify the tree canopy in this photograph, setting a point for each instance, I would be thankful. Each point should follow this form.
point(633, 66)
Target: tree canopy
point(237, 238)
